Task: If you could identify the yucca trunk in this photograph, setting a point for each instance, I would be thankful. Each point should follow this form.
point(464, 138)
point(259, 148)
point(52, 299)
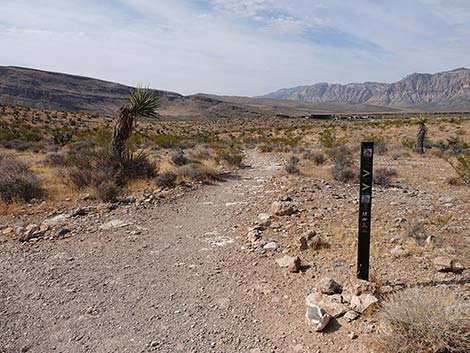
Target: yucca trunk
point(421, 137)
point(122, 131)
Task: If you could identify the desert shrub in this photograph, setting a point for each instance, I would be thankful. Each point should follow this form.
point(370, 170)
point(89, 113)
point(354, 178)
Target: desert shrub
point(408, 143)
point(292, 166)
point(344, 173)
point(383, 176)
point(166, 180)
point(423, 320)
point(343, 170)
point(231, 157)
point(18, 145)
point(198, 172)
point(380, 147)
point(179, 159)
point(316, 157)
point(340, 154)
point(328, 138)
point(56, 159)
point(461, 165)
point(415, 230)
point(17, 181)
point(93, 168)
point(107, 191)
point(264, 148)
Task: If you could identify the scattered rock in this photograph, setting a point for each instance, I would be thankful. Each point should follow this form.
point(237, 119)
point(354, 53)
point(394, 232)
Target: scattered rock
point(317, 317)
point(339, 262)
point(331, 304)
point(308, 240)
point(62, 231)
point(292, 263)
point(364, 303)
point(446, 264)
point(351, 315)
point(431, 240)
point(55, 221)
point(115, 223)
point(283, 208)
point(353, 335)
point(271, 246)
point(329, 286)
point(7, 230)
point(399, 251)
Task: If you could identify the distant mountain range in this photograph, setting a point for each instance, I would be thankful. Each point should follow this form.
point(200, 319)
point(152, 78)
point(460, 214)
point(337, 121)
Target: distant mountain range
point(57, 91)
point(448, 90)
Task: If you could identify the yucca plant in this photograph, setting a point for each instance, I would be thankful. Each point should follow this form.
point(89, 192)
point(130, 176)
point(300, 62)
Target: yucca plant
point(421, 136)
point(142, 103)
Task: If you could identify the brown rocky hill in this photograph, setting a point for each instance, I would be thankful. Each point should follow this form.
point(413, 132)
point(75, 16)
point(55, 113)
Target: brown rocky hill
point(448, 90)
point(63, 92)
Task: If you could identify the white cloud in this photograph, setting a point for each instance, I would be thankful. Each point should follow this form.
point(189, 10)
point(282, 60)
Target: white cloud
point(245, 47)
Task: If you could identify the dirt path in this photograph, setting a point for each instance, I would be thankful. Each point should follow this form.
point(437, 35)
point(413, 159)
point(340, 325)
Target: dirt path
point(183, 283)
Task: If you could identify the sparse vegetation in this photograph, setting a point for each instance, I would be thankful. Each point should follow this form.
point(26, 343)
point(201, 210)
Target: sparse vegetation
point(166, 180)
point(383, 176)
point(17, 181)
point(424, 320)
point(292, 166)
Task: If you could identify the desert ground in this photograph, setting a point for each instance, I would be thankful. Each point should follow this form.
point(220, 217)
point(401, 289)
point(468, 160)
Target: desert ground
point(187, 255)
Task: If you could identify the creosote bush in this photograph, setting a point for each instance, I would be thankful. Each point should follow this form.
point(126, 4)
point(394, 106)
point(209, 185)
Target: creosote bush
point(105, 172)
point(423, 320)
point(17, 181)
point(343, 170)
point(179, 159)
point(166, 180)
point(292, 166)
point(198, 172)
point(383, 176)
point(316, 157)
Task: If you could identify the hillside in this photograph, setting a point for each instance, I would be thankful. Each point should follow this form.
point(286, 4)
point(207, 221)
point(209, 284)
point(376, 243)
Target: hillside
point(448, 90)
point(63, 92)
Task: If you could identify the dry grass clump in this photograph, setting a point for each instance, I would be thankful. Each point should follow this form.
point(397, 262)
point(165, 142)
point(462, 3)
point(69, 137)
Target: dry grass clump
point(344, 165)
point(166, 180)
point(198, 172)
point(424, 320)
point(383, 176)
point(106, 173)
point(316, 157)
point(17, 181)
point(292, 166)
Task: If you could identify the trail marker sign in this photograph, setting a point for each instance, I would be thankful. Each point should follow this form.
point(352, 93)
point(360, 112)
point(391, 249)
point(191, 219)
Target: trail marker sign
point(365, 207)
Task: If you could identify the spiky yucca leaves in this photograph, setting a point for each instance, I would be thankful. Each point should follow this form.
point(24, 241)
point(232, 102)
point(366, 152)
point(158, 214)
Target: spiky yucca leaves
point(142, 103)
point(461, 165)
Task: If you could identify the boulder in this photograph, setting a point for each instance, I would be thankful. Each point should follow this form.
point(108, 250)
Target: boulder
point(56, 220)
point(317, 317)
point(351, 315)
point(329, 286)
point(308, 240)
point(331, 304)
point(364, 303)
point(292, 263)
point(271, 246)
point(283, 208)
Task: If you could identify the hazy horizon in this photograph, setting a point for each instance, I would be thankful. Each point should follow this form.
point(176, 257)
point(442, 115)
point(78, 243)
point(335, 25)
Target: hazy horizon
point(228, 47)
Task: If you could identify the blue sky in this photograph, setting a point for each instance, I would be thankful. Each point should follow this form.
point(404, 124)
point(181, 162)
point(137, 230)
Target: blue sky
point(236, 47)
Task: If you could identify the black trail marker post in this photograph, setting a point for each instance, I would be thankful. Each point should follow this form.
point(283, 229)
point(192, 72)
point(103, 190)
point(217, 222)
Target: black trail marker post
point(365, 206)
